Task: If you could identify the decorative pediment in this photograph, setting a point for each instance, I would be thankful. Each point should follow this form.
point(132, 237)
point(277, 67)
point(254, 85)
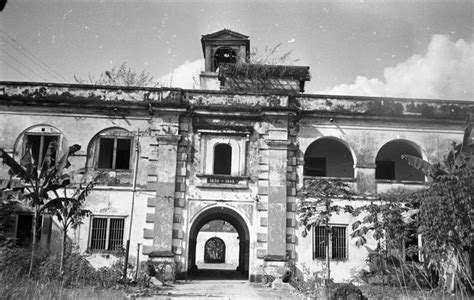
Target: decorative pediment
point(224, 34)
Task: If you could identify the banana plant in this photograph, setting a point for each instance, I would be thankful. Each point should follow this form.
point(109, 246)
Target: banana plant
point(456, 158)
point(40, 180)
point(446, 211)
point(69, 212)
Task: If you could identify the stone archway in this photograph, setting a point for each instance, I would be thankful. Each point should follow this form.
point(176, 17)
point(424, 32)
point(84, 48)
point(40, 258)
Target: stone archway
point(235, 219)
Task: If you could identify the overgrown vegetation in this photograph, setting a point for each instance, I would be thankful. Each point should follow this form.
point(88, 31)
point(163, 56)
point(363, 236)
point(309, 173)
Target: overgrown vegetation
point(120, 75)
point(319, 201)
point(446, 215)
point(262, 71)
point(442, 214)
point(272, 56)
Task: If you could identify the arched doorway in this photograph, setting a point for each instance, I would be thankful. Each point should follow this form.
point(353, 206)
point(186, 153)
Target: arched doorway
point(233, 218)
point(214, 251)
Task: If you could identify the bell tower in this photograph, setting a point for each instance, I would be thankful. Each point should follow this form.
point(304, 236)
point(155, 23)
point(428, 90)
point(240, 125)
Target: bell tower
point(224, 46)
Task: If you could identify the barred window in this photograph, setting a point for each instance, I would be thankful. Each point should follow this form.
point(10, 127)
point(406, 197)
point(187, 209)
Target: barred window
point(337, 244)
point(107, 233)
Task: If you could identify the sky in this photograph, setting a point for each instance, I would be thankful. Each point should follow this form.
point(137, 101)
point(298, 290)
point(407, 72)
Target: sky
point(403, 48)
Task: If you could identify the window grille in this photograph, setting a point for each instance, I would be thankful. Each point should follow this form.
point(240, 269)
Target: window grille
point(337, 244)
point(116, 234)
point(320, 238)
point(107, 233)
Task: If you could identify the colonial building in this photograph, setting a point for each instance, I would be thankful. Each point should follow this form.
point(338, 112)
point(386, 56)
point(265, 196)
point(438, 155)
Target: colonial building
point(237, 150)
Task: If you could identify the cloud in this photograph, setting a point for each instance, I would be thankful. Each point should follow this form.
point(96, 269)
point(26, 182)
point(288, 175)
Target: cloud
point(445, 71)
point(185, 76)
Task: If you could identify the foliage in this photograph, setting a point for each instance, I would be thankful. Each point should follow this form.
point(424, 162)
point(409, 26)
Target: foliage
point(121, 75)
point(272, 56)
point(33, 289)
point(77, 270)
point(39, 179)
point(384, 219)
point(70, 212)
point(318, 203)
point(261, 71)
point(446, 213)
point(79, 281)
point(7, 207)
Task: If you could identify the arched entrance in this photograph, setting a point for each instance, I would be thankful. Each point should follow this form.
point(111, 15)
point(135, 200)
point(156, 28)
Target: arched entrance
point(232, 217)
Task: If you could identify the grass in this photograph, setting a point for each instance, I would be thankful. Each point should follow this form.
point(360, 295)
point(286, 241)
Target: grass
point(32, 289)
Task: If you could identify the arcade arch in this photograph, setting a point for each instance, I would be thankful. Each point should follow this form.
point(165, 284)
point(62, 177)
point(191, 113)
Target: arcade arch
point(328, 157)
point(390, 166)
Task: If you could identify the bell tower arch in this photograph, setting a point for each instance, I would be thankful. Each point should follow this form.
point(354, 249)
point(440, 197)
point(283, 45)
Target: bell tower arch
point(224, 46)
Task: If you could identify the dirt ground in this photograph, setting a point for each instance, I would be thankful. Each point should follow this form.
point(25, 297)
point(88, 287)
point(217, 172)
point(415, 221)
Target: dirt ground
point(221, 284)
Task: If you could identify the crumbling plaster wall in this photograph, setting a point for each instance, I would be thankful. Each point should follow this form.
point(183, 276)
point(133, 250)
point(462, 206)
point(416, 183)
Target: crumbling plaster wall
point(112, 196)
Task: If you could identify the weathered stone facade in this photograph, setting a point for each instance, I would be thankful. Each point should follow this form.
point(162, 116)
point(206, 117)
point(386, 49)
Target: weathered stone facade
point(268, 138)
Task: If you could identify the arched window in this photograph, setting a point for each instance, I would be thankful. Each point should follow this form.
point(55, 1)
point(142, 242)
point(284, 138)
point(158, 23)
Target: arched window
point(390, 166)
point(328, 157)
point(113, 149)
point(40, 143)
point(222, 159)
point(224, 55)
point(214, 251)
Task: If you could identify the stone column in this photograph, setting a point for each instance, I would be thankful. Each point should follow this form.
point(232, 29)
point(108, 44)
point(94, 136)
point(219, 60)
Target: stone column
point(365, 178)
point(277, 198)
point(162, 255)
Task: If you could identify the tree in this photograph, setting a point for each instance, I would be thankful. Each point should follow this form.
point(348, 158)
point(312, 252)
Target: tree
point(318, 202)
point(39, 179)
point(446, 213)
point(121, 75)
point(70, 212)
point(385, 220)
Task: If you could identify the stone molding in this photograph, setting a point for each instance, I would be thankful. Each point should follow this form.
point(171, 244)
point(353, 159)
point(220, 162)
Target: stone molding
point(168, 139)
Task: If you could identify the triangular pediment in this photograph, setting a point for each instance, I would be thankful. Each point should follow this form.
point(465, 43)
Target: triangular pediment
point(224, 34)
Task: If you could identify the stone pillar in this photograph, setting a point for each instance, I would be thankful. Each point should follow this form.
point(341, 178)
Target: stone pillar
point(277, 198)
point(365, 178)
point(162, 256)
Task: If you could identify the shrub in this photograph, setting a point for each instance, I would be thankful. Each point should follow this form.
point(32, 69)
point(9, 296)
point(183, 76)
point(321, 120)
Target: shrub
point(77, 271)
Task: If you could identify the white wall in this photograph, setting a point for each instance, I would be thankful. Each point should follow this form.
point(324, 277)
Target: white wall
point(231, 246)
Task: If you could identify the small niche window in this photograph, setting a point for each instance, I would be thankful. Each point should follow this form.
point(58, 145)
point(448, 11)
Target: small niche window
point(37, 145)
point(114, 153)
point(107, 234)
point(222, 159)
point(337, 244)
